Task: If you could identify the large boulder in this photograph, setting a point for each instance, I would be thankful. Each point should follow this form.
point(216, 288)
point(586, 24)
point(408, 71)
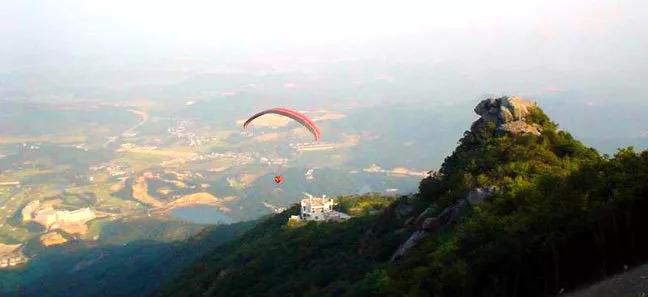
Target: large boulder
point(478, 195)
point(509, 114)
point(427, 223)
point(427, 213)
point(412, 241)
point(430, 224)
point(451, 215)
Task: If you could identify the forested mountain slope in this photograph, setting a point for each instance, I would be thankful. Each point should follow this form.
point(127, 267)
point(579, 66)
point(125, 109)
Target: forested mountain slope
point(135, 268)
point(520, 208)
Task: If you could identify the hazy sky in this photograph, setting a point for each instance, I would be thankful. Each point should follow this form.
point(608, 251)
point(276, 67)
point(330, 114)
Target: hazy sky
point(506, 45)
point(573, 29)
point(577, 58)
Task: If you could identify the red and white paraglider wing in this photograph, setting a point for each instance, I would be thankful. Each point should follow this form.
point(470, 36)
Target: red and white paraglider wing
point(293, 114)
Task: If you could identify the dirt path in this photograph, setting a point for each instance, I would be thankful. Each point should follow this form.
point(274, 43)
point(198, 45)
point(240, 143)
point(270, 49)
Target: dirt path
point(632, 283)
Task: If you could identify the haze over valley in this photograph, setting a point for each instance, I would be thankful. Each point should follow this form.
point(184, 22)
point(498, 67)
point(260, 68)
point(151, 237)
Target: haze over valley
point(121, 123)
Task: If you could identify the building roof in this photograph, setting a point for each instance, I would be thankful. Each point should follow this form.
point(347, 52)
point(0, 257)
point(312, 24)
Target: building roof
point(316, 201)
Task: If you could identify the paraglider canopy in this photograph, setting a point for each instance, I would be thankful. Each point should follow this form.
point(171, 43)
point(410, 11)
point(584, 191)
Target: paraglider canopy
point(293, 114)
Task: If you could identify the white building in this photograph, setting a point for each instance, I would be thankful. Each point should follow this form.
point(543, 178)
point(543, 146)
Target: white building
point(320, 209)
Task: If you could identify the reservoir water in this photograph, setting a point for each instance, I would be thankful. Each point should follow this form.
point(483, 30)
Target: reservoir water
point(201, 214)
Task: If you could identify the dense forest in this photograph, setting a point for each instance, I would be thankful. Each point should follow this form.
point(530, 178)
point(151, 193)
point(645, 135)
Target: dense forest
point(119, 269)
point(509, 213)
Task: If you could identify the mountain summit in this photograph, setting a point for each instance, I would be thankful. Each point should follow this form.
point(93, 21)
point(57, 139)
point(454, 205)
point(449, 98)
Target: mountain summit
point(509, 114)
point(520, 208)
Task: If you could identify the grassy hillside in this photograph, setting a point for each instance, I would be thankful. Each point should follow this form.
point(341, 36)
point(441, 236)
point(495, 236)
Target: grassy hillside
point(557, 215)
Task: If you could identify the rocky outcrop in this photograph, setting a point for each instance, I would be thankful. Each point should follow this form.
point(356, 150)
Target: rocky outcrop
point(509, 114)
point(453, 214)
point(449, 216)
point(478, 195)
point(428, 212)
point(411, 242)
point(519, 128)
point(52, 238)
point(430, 224)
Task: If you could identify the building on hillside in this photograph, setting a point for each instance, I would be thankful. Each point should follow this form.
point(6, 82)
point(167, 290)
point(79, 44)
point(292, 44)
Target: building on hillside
point(11, 255)
point(320, 209)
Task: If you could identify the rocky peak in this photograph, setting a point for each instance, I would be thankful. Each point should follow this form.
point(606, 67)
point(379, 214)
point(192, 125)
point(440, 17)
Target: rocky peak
point(509, 115)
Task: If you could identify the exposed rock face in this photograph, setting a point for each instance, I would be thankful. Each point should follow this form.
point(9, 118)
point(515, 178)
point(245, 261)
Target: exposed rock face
point(70, 221)
point(451, 215)
point(52, 238)
point(478, 195)
point(430, 224)
point(427, 213)
point(412, 241)
point(507, 113)
point(520, 127)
